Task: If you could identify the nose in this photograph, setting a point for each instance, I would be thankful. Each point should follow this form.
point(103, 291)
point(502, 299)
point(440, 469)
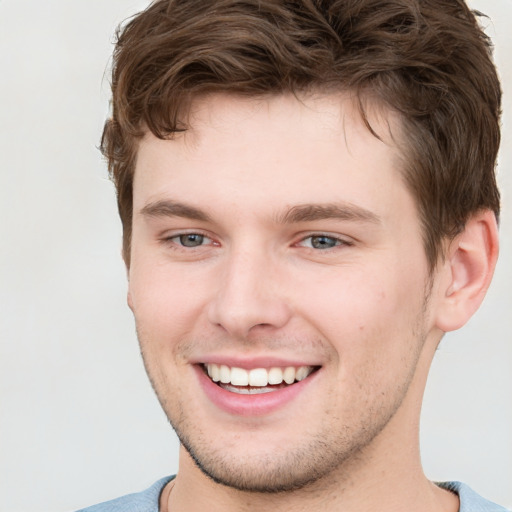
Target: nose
point(249, 295)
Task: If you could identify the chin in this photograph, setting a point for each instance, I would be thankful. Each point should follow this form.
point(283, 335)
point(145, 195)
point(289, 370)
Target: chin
point(266, 473)
point(276, 466)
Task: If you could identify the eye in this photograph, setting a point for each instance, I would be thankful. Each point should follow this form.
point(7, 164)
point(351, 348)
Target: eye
point(322, 242)
point(190, 240)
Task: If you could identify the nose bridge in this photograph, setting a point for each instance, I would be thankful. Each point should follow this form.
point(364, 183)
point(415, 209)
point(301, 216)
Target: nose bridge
point(248, 293)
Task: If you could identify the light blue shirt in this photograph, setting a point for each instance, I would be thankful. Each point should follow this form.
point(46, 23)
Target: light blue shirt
point(147, 501)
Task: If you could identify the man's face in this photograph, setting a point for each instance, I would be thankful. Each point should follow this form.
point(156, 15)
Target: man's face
point(276, 235)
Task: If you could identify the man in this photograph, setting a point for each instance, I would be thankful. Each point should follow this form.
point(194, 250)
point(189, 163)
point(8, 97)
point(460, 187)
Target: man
point(309, 203)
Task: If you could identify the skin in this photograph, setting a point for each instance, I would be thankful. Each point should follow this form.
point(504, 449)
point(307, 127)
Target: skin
point(365, 310)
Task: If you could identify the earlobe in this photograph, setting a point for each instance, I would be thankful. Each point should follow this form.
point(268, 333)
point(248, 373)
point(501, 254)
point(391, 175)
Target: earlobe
point(467, 271)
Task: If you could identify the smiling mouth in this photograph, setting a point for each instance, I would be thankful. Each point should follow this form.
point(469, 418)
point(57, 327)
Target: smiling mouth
point(257, 380)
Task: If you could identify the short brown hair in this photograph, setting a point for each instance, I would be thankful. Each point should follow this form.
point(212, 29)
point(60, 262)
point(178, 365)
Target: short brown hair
point(427, 60)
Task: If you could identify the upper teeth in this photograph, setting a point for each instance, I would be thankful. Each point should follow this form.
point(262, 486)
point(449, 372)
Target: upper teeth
point(257, 376)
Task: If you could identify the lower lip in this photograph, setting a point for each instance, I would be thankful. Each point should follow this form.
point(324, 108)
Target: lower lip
point(251, 405)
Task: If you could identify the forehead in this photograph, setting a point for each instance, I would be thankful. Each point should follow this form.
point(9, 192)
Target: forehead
point(279, 150)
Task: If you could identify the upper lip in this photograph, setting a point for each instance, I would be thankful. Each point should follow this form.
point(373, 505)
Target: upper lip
point(254, 362)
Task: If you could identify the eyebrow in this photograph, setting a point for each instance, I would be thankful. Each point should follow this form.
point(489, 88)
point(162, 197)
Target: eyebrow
point(296, 214)
point(166, 208)
point(343, 211)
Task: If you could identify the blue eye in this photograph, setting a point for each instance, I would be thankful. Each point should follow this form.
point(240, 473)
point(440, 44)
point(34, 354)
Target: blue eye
point(322, 242)
point(190, 239)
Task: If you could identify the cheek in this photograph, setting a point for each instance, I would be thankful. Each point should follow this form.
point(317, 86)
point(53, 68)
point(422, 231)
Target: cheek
point(364, 314)
point(166, 301)
point(348, 297)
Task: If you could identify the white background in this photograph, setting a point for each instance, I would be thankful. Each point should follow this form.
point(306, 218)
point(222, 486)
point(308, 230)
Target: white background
point(78, 420)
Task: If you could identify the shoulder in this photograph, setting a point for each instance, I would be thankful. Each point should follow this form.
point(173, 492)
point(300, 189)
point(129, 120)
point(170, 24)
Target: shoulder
point(470, 501)
point(145, 501)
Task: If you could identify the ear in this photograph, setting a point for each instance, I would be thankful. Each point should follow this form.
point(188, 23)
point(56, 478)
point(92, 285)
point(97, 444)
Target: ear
point(467, 271)
point(129, 298)
point(127, 268)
